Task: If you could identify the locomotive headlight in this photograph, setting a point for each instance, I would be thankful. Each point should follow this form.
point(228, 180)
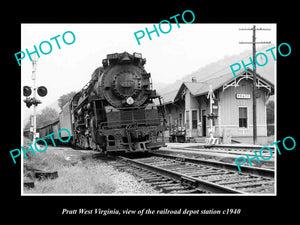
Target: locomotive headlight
point(129, 100)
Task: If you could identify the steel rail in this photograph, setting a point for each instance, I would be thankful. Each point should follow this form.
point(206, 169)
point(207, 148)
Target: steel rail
point(223, 149)
point(222, 165)
point(237, 147)
point(200, 184)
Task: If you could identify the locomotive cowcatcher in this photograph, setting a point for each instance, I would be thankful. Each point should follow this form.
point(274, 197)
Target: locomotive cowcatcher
point(115, 110)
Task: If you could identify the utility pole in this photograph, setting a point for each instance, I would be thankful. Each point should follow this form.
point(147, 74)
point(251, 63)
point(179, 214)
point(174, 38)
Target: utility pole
point(27, 91)
point(34, 64)
point(254, 73)
point(211, 101)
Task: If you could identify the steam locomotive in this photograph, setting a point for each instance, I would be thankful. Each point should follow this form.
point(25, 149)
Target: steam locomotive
point(115, 110)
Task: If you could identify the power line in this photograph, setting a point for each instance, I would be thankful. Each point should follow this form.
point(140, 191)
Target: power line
point(260, 42)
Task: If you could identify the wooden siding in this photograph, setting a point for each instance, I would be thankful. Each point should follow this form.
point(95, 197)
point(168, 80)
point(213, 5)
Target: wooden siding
point(191, 103)
point(173, 112)
point(229, 110)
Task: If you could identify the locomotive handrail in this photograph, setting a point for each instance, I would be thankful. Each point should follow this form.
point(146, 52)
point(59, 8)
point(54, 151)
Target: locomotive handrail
point(80, 104)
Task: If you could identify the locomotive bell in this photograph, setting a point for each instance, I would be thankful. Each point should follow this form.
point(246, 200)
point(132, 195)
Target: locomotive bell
point(125, 58)
point(42, 91)
point(26, 91)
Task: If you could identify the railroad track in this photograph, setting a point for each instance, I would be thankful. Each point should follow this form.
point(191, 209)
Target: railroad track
point(182, 175)
point(238, 150)
point(223, 157)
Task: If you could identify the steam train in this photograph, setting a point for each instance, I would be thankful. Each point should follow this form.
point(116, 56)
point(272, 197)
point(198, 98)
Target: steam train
point(115, 110)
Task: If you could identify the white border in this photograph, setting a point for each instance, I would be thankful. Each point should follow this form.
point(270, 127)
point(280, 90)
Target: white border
point(194, 195)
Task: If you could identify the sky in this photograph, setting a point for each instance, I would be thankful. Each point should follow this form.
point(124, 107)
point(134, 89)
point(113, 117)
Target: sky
point(169, 57)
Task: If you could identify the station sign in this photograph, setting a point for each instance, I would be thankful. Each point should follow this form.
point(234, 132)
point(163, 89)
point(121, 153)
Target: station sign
point(243, 96)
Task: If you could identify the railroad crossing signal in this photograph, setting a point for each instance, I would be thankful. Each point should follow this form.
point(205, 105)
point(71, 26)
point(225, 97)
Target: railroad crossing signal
point(26, 91)
point(29, 101)
point(42, 91)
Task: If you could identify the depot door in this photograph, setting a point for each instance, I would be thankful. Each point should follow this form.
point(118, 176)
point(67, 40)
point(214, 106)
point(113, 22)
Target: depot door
point(204, 123)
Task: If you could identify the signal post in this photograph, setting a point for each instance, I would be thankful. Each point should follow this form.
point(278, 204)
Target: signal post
point(42, 91)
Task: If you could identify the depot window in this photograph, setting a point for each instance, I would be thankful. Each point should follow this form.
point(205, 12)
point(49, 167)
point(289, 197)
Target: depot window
point(243, 117)
point(194, 119)
point(180, 119)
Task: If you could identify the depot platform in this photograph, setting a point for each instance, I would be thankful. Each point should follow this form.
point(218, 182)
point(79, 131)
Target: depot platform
point(222, 152)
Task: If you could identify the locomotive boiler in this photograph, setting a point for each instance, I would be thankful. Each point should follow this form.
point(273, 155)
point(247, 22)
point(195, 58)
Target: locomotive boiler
point(115, 110)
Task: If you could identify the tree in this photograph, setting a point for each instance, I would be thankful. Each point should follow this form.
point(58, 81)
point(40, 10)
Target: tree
point(48, 115)
point(65, 98)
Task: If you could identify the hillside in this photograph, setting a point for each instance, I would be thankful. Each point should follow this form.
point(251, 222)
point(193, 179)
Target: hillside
point(222, 66)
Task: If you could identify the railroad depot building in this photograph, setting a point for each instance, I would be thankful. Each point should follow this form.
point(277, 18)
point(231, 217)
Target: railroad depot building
point(232, 103)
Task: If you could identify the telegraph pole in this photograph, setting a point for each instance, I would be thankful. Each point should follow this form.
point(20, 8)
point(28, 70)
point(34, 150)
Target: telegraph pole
point(254, 73)
point(34, 64)
point(211, 93)
point(41, 91)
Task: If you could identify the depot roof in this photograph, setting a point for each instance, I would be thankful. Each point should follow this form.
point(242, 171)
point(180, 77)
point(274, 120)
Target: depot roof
point(198, 88)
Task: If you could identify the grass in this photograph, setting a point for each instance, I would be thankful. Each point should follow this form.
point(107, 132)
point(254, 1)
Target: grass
point(85, 176)
point(83, 179)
